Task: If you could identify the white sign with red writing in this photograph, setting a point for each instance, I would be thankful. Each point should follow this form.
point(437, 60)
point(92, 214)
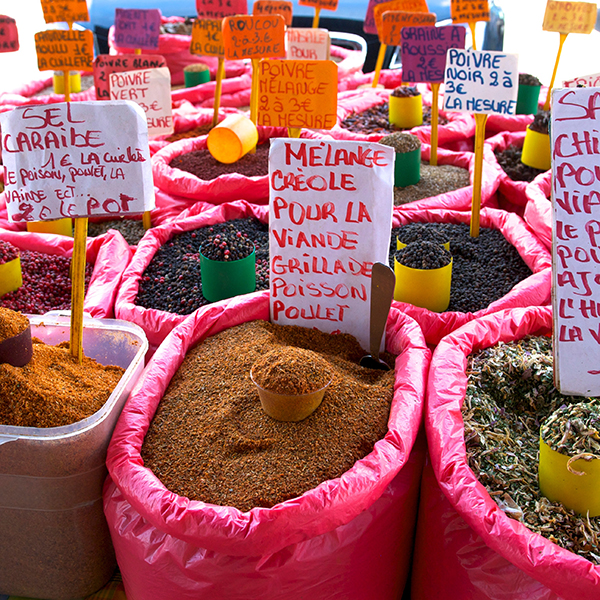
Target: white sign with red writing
point(330, 217)
point(583, 81)
point(576, 240)
point(307, 43)
point(76, 159)
point(151, 89)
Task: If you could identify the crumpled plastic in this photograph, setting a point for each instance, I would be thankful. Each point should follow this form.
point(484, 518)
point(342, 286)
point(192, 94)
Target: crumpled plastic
point(466, 546)
point(109, 253)
point(498, 123)
point(24, 94)
point(538, 211)
point(535, 290)
point(349, 537)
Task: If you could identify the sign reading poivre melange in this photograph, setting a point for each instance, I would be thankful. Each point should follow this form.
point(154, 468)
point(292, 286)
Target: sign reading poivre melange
point(330, 217)
point(76, 159)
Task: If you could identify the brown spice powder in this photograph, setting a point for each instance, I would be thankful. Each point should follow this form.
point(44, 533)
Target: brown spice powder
point(53, 390)
point(211, 441)
point(11, 323)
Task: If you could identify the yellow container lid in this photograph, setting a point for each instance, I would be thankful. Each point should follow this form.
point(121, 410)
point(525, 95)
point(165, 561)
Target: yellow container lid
point(232, 138)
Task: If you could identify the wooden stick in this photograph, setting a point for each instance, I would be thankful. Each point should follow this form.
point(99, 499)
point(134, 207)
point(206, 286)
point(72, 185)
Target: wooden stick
point(316, 18)
point(480, 119)
point(563, 37)
point(78, 287)
point(219, 85)
point(435, 90)
point(472, 28)
point(294, 132)
point(379, 64)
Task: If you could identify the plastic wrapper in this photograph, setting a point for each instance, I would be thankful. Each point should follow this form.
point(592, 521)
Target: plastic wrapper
point(538, 211)
point(499, 123)
point(25, 94)
point(535, 290)
point(349, 537)
point(466, 546)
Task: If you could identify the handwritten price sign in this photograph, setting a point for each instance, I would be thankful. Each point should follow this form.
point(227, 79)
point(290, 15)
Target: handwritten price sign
point(218, 9)
point(576, 241)
point(569, 17)
point(392, 22)
point(137, 28)
point(469, 11)
point(330, 216)
point(320, 4)
point(76, 159)
point(373, 23)
point(247, 36)
point(63, 49)
point(583, 81)
point(9, 35)
point(274, 7)
point(207, 38)
point(424, 51)
point(307, 43)
point(65, 10)
point(481, 82)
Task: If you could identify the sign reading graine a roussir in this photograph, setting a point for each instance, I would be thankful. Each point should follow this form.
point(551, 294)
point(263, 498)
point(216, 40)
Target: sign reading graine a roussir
point(576, 240)
point(76, 159)
point(330, 217)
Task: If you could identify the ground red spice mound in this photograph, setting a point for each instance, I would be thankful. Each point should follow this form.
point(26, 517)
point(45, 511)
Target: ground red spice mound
point(11, 323)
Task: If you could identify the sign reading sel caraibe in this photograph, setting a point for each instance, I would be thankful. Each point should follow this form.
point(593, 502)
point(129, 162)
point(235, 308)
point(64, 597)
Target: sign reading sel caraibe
point(76, 159)
point(576, 240)
point(481, 82)
point(136, 28)
point(330, 217)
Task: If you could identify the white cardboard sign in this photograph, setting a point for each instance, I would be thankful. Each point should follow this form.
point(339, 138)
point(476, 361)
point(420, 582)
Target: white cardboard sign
point(330, 217)
point(481, 82)
point(576, 240)
point(76, 159)
point(151, 89)
point(307, 43)
point(583, 81)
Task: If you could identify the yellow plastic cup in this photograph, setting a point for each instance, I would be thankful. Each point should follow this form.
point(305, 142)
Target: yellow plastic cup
point(536, 150)
point(232, 138)
point(426, 288)
point(406, 112)
point(580, 493)
point(59, 226)
point(10, 276)
point(58, 82)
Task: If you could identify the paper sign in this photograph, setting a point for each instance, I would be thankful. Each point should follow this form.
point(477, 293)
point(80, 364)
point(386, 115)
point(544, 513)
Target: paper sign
point(297, 93)
point(247, 36)
point(392, 22)
point(373, 24)
point(320, 4)
point(65, 10)
point(76, 159)
point(9, 35)
point(583, 81)
point(217, 9)
point(64, 49)
point(424, 51)
point(308, 43)
point(576, 240)
point(105, 64)
point(274, 7)
point(481, 82)
point(330, 218)
point(136, 28)
point(569, 17)
point(151, 89)
point(469, 11)
point(207, 38)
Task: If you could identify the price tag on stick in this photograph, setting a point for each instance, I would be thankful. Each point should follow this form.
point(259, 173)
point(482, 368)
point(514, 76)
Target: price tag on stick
point(60, 49)
point(307, 43)
point(274, 7)
point(583, 81)
point(218, 9)
point(480, 83)
point(393, 21)
point(67, 11)
point(9, 35)
point(469, 11)
point(318, 5)
point(137, 29)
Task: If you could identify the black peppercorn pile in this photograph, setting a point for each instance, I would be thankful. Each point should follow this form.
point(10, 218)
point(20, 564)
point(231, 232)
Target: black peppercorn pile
point(132, 230)
point(171, 282)
point(405, 91)
point(540, 122)
point(485, 268)
point(528, 79)
point(227, 247)
point(421, 232)
point(510, 161)
point(7, 252)
point(423, 255)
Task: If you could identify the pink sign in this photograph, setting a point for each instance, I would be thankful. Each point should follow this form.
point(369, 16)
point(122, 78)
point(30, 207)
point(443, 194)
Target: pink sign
point(9, 36)
point(136, 28)
point(218, 9)
point(106, 64)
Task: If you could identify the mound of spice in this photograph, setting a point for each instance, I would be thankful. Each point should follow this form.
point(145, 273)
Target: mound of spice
point(11, 323)
point(131, 229)
point(191, 133)
point(210, 440)
point(53, 390)
point(405, 91)
point(421, 232)
point(424, 255)
point(227, 247)
point(510, 392)
point(8, 252)
point(435, 180)
point(541, 122)
point(510, 161)
point(527, 79)
point(290, 370)
point(401, 142)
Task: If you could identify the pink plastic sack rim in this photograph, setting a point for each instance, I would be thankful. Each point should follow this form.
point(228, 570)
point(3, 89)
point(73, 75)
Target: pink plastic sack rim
point(262, 530)
point(555, 567)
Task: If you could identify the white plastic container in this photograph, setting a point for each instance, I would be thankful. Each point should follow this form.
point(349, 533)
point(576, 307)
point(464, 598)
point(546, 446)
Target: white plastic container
point(54, 541)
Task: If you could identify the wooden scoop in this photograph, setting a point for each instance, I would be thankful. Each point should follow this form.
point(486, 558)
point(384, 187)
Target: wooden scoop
point(383, 281)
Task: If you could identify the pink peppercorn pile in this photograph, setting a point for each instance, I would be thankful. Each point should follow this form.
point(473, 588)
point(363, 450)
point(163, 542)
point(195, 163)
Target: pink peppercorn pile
point(7, 252)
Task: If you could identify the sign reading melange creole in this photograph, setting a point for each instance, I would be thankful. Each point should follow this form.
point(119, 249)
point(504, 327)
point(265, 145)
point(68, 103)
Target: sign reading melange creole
point(76, 159)
point(330, 216)
point(576, 240)
point(481, 82)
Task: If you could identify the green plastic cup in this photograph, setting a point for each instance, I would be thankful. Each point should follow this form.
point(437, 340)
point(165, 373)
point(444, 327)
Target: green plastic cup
point(527, 99)
point(407, 168)
point(195, 74)
point(226, 279)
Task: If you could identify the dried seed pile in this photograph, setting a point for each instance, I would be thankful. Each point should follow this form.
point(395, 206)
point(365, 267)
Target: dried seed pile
point(405, 91)
point(510, 392)
point(227, 246)
point(527, 79)
point(8, 252)
point(131, 229)
point(510, 161)
point(178, 27)
point(421, 232)
point(541, 122)
point(211, 441)
point(401, 142)
point(434, 181)
point(424, 255)
point(202, 164)
point(11, 323)
point(484, 269)
point(191, 133)
point(171, 281)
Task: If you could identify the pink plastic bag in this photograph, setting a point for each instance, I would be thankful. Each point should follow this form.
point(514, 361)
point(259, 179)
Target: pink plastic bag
point(24, 95)
point(499, 123)
point(388, 78)
point(205, 92)
point(466, 546)
point(349, 537)
point(538, 212)
point(109, 253)
point(533, 291)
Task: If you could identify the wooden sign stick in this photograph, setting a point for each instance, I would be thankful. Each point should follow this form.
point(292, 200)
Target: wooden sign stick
point(472, 28)
point(218, 86)
point(435, 90)
point(480, 120)
point(379, 64)
point(316, 18)
point(563, 37)
point(294, 132)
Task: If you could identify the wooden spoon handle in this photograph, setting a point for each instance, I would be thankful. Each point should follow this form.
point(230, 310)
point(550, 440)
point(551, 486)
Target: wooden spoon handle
point(383, 281)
